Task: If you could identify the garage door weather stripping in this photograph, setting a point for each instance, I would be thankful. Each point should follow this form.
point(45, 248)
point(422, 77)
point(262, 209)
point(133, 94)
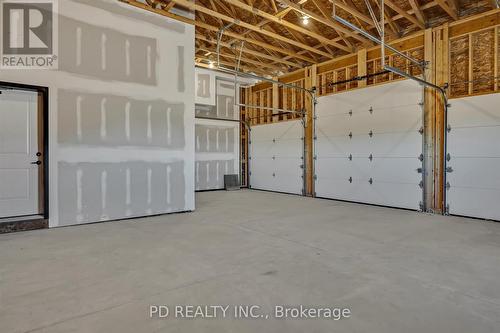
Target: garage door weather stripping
point(29, 34)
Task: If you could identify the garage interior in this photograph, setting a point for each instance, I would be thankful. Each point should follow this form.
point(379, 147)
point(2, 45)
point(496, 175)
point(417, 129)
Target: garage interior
point(338, 154)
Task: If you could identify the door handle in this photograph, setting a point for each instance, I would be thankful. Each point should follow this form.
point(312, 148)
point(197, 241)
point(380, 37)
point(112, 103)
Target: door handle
point(37, 162)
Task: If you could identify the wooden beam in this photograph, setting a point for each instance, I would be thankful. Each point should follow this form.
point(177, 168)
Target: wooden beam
point(362, 69)
point(330, 22)
point(403, 13)
point(249, 51)
point(202, 9)
point(447, 9)
point(287, 24)
point(353, 11)
point(416, 9)
point(243, 59)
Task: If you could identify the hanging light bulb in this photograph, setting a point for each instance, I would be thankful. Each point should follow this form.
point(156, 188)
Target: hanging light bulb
point(305, 20)
point(211, 64)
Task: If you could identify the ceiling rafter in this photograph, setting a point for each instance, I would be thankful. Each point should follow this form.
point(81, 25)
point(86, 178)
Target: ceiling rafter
point(287, 24)
point(277, 37)
point(198, 7)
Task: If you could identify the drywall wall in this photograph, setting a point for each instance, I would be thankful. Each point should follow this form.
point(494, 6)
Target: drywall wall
point(217, 152)
point(368, 145)
point(217, 132)
point(277, 157)
point(121, 117)
point(474, 157)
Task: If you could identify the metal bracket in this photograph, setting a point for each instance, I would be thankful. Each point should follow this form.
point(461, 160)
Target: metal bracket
point(449, 169)
point(448, 186)
point(420, 170)
point(350, 157)
point(350, 135)
point(350, 180)
point(370, 157)
point(421, 184)
point(350, 113)
point(370, 181)
point(448, 157)
point(370, 134)
point(371, 110)
point(274, 157)
point(421, 130)
point(421, 158)
point(315, 177)
point(274, 140)
point(274, 175)
point(448, 128)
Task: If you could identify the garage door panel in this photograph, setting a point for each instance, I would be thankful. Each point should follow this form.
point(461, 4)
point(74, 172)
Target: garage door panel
point(474, 142)
point(276, 152)
point(401, 170)
point(474, 202)
point(473, 146)
point(399, 144)
point(475, 172)
point(474, 111)
point(389, 134)
point(339, 168)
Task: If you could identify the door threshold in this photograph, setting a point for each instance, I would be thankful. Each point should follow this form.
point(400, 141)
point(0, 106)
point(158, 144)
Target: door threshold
point(23, 223)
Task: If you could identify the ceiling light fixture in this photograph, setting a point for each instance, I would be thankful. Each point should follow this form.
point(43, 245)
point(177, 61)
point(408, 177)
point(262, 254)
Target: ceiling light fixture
point(211, 64)
point(305, 20)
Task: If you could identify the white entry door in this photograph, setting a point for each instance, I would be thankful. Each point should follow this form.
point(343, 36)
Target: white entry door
point(18, 150)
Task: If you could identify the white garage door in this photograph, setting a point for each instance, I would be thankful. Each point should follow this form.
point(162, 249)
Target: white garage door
point(369, 144)
point(474, 152)
point(276, 157)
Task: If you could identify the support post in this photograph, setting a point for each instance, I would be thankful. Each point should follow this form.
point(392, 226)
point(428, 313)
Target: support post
point(362, 70)
point(310, 83)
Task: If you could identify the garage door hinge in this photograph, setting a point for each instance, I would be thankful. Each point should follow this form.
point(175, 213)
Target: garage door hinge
point(350, 113)
point(249, 157)
point(447, 210)
point(421, 103)
point(350, 135)
point(370, 157)
point(315, 157)
point(370, 134)
point(302, 166)
point(371, 110)
point(315, 177)
point(370, 181)
point(448, 128)
point(350, 157)
point(350, 180)
point(315, 137)
point(420, 170)
point(421, 158)
point(449, 169)
point(274, 175)
point(250, 173)
point(421, 184)
point(421, 130)
point(421, 205)
point(448, 157)
point(448, 186)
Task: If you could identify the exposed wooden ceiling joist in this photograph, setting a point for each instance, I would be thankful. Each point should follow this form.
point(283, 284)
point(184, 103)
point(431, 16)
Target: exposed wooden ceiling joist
point(276, 35)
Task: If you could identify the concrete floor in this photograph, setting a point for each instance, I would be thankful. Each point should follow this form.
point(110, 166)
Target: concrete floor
point(397, 271)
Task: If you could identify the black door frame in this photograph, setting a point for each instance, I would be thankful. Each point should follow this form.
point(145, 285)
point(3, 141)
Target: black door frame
point(44, 93)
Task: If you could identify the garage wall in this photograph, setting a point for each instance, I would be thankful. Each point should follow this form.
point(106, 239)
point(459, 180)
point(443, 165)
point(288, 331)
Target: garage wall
point(277, 157)
point(474, 157)
point(217, 131)
point(121, 109)
point(368, 145)
point(217, 153)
